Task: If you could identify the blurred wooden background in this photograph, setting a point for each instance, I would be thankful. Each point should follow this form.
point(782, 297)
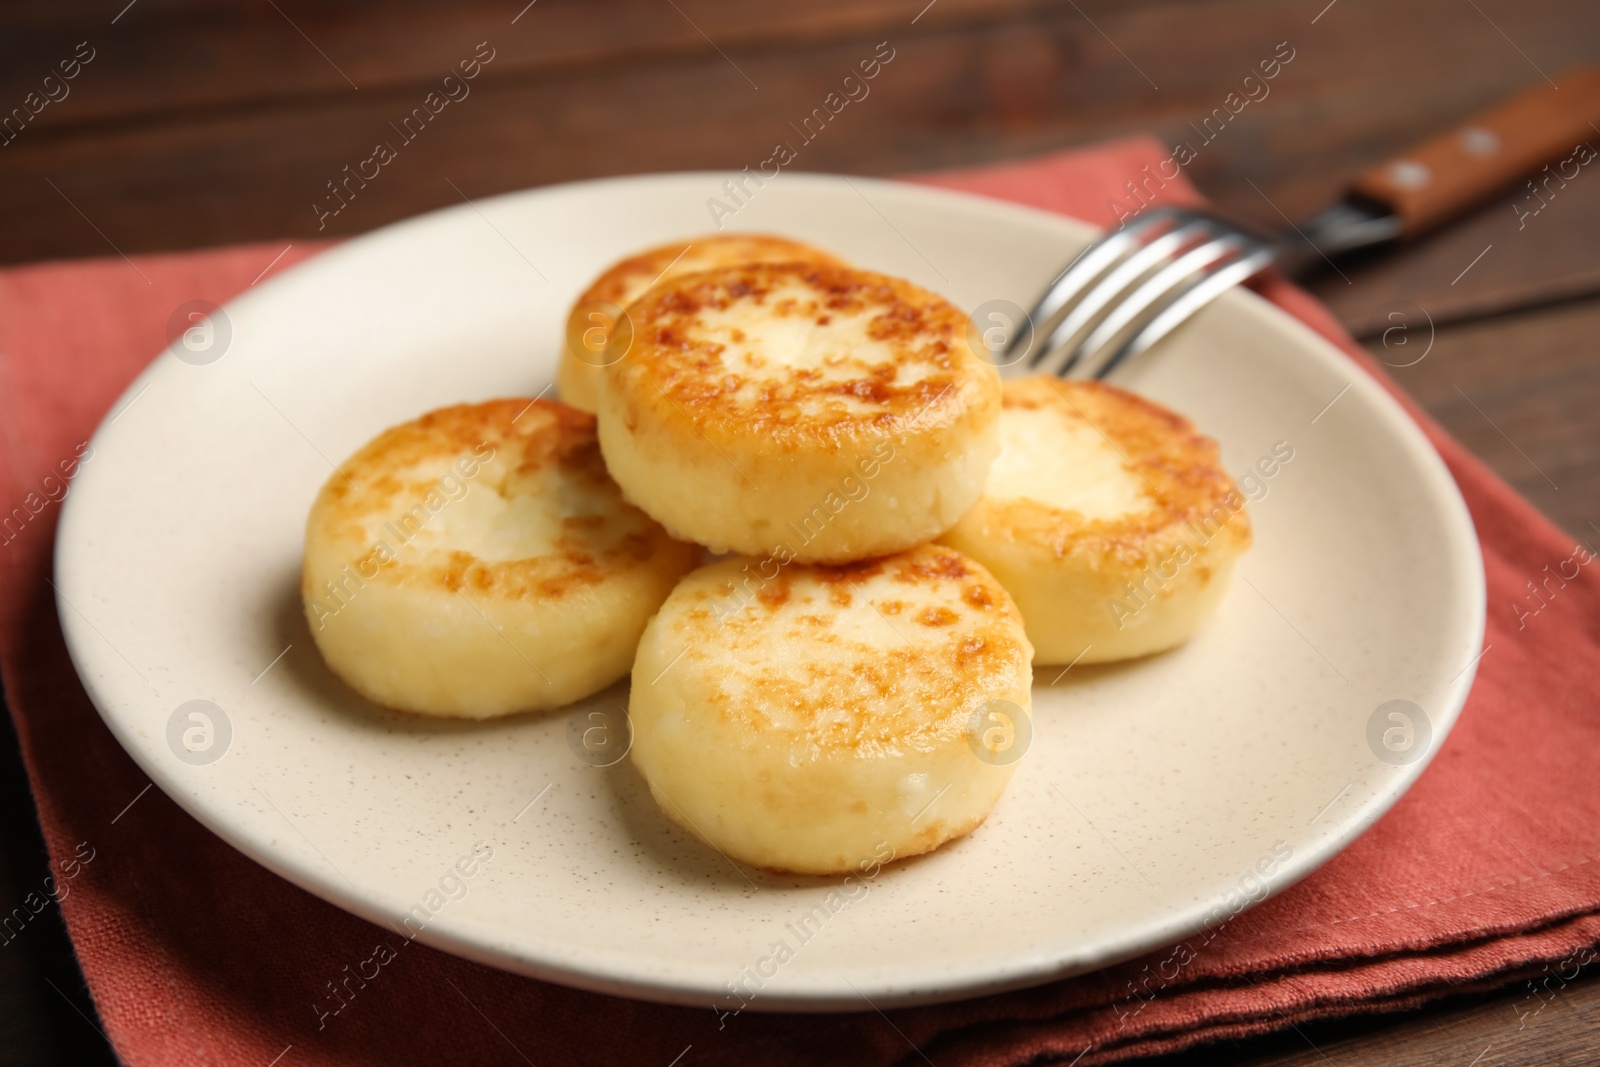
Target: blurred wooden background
point(197, 124)
point(202, 123)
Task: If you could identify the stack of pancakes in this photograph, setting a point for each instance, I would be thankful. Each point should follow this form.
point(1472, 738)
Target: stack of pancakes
point(901, 538)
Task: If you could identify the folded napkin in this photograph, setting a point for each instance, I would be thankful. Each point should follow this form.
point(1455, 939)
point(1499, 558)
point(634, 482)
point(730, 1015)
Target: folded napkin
point(1481, 875)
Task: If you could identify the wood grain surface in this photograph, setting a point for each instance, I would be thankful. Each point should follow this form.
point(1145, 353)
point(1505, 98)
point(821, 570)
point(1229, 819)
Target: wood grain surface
point(194, 124)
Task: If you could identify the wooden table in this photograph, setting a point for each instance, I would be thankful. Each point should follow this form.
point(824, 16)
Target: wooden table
point(190, 124)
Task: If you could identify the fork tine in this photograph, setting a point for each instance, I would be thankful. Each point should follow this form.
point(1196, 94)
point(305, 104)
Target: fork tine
point(1077, 275)
point(1154, 289)
point(1191, 299)
point(1055, 355)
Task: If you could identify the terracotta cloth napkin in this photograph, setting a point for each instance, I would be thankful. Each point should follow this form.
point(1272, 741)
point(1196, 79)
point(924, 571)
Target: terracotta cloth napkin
point(1482, 875)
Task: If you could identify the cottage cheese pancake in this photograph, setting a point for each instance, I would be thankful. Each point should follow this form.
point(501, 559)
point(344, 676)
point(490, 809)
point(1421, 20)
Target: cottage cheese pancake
point(1108, 517)
point(818, 718)
point(479, 561)
point(829, 413)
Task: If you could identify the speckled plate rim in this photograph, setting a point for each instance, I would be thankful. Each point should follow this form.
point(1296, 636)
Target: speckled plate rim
point(618, 973)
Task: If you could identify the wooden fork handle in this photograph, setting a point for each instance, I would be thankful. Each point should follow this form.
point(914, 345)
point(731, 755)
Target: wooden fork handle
point(1442, 177)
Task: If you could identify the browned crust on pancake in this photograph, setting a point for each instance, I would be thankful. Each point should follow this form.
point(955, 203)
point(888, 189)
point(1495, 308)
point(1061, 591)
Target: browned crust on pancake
point(622, 282)
point(530, 437)
point(1181, 468)
point(933, 666)
point(675, 370)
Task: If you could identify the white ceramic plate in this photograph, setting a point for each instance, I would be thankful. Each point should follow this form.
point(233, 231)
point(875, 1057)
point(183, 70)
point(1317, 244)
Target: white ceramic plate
point(1154, 794)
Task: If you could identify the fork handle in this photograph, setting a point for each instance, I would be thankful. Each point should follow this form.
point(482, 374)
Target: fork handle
point(1444, 176)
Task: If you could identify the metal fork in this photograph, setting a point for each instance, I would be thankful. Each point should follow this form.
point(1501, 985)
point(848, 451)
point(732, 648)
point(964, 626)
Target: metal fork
point(1130, 289)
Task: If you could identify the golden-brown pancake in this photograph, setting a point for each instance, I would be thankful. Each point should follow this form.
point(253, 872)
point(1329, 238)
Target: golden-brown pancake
point(823, 717)
point(816, 412)
point(1108, 517)
point(479, 561)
